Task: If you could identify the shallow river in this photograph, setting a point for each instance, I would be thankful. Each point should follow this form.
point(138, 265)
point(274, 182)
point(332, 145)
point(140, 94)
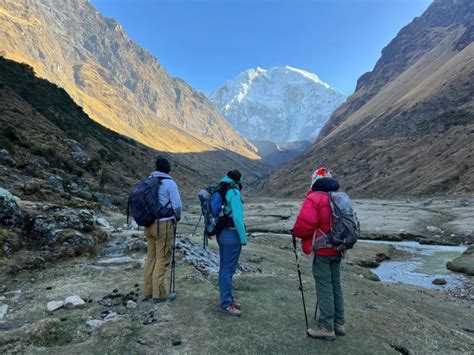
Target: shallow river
point(423, 264)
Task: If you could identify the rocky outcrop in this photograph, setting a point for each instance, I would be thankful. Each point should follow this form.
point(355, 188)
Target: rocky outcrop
point(463, 263)
point(408, 128)
point(205, 260)
point(10, 213)
point(55, 231)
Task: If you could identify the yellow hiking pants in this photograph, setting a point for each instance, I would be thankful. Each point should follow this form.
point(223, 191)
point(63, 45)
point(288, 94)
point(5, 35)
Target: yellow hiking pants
point(160, 249)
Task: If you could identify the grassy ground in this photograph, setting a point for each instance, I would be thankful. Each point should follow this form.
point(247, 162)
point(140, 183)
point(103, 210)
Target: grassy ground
point(379, 316)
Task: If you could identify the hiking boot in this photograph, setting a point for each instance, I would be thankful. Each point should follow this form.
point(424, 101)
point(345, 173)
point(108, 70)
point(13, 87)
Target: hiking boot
point(146, 298)
point(160, 300)
point(339, 329)
point(237, 305)
point(171, 297)
point(321, 333)
point(232, 311)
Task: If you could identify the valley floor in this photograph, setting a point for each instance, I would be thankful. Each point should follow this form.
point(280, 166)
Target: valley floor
point(381, 317)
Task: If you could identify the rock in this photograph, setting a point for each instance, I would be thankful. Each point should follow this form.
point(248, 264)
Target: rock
point(439, 281)
point(176, 340)
point(400, 348)
point(3, 310)
point(434, 229)
point(133, 225)
point(10, 213)
point(86, 195)
point(428, 202)
point(31, 169)
point(54, 305)
point(13, 295)
point(6, 158)
point(131, 304)
point(110, 316)
point(74, 302)
point(141, 342)
point(94, 323)
point(368, 263)
point(101, 221)
point(205, 260)
point(78, 155)
point(55, 182)
point(464, 263)
point(118, 327)
point(139, 245)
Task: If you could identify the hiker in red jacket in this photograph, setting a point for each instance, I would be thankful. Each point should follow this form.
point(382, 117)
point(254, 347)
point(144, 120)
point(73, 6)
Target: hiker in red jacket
point(313, 221)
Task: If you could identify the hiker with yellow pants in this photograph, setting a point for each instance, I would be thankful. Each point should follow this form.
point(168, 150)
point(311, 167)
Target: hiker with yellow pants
point(155, 203)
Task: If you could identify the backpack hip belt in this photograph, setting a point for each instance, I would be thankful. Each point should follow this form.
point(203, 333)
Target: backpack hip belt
point(322, 242)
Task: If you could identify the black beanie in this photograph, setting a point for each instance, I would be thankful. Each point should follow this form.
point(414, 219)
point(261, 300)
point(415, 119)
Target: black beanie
point(163, 165)
point(235, 175)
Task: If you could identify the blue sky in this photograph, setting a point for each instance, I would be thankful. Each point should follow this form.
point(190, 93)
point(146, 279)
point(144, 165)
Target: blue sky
point(207, 42)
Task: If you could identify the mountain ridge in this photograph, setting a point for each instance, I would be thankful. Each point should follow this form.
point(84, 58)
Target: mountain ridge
point(408, 128)
point(119, 84)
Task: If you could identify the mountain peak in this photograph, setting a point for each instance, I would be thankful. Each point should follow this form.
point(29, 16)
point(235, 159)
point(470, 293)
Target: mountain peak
point(279, 104)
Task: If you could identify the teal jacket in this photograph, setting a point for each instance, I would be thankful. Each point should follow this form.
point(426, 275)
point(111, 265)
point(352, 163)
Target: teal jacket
point(234, 207)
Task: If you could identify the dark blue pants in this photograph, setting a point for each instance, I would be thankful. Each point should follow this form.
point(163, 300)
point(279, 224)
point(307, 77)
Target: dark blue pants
point(229, 252)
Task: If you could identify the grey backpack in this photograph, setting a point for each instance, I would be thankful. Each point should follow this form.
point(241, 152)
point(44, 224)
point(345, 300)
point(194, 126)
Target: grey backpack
point(345, 227)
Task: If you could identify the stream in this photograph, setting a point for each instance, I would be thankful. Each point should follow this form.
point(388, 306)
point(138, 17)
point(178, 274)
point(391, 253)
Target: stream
point(421, 265)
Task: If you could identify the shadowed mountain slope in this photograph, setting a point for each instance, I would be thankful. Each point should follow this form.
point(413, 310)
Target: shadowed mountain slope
point(409, 127)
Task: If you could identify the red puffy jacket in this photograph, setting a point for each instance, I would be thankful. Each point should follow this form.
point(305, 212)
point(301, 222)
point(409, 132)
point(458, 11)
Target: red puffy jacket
point(315, 213)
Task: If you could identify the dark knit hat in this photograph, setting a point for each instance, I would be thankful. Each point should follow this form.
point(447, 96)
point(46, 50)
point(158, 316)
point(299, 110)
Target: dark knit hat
point(235, 175)
point(163, 165)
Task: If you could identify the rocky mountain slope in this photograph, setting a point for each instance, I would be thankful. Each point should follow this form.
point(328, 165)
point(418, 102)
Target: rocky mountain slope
point(280, 104)
point(50, 150)
point(118, 83)
point(408, 129)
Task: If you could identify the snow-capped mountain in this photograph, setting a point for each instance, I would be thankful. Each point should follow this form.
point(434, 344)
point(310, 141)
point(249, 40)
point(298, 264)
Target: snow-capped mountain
point(281, 104)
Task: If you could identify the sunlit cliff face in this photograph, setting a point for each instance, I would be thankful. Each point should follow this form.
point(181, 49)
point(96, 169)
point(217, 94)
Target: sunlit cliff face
point(119, 84)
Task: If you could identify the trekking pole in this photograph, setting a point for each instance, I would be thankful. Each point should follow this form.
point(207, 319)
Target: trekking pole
point(301, 282)
point(172, 293)
point(196, 226)
point(316, 310)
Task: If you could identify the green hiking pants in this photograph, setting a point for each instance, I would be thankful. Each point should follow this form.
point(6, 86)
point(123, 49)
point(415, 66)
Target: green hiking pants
point(327, 275)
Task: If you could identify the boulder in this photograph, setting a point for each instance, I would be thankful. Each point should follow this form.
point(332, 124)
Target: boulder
point(74, 302)
point(46, 223)
point(55, 182)
point(439, 281)
point(6, 158)
point(54, 305)
point(101, 221)
point(434, 229)
point(131, 304)
point(10, 213)
point(205, 260)
point(78, 155)
point(463, 263)
point(3, 310)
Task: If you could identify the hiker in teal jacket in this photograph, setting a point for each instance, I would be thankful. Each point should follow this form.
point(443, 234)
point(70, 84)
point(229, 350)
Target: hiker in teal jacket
point(230, 241)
